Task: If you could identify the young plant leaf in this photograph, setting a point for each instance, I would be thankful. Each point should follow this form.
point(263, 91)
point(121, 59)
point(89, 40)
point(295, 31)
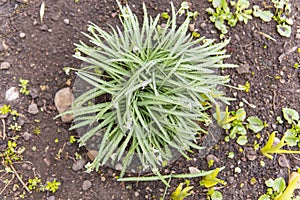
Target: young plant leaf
point(180, 193)
point(211, 180)
point(289, 191)
point(264, 15)
point(284, 30)
point(242, 140)
point(290, 115)
point(255, 124)
point(269, 148)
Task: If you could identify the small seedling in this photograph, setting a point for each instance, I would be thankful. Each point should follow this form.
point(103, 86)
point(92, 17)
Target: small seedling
point(245, 87)
point(24, 84)
point(180, 193)
point(210, 163)
point(269, 148)
point(214, 195)
point(211, 179)
point(37, 130)
point(52, 186)
point(15, 127)
point(5, 109)
point(72, 139)
point(165, 15)
point(277, 189)
point(264, 15)
point(34, 184)
point(284, 24)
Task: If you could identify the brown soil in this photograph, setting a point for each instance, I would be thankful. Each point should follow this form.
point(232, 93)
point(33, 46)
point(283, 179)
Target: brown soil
point(48, 47)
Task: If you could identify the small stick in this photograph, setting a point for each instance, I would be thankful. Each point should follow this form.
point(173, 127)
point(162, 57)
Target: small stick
point(7, 184)
point(266, 35)
point(20, 179)
point(4, 135)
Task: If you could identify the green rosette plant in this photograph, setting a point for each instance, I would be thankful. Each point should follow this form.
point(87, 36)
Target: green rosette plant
point(159, 84)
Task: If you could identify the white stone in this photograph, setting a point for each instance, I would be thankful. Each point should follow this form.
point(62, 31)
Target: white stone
point(12, 94)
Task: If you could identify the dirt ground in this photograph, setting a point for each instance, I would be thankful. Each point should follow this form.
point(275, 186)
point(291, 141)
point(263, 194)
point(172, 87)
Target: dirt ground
point(38, 52)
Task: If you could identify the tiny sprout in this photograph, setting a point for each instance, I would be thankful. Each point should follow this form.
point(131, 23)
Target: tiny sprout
point(52, 186)
point(210, 163)
point(245, 87)
point(56, 140)
point(195, 34)
point(253, 181)
point(24, 84)
point(165, 15)
point(296, 65)
point(72, 139)
point(262, 163)
point(5, 109)
point(33, 183)
point(37, 130)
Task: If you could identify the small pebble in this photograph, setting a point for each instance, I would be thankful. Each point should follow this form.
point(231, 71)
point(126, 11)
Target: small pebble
point(12, 94)
point(191, 27)
point(283, 162)
point(44, 27)
point(33, 109)
point(51, 198)
point(230, 179)
point(103, 179)
point(47, 162)
point(22, 35)
point(92, 154)
point(194, 170)
point(298, 36)
point(86, 185)
point(118, 166)
point(79, 164)
point(212, 157)
point(26, 136)
point(250, 154)
point(66, 21)
point(5, 65)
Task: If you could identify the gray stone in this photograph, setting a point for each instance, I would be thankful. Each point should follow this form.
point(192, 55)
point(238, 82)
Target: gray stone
point(86, 185)
point(12, 94)
point(243, 69)
point(33, 109)
point(44, 27)
point(63, 101)
point(194, 170)
point(79, 164)
point(284, 162)
point(51, 198)
point(5, 65)
point(26, 136)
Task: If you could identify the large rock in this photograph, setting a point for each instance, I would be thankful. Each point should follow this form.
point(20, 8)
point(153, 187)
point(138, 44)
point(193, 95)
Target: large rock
point(63, 101)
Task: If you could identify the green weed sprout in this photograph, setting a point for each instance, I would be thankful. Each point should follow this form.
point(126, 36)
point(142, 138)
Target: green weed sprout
point(159, 81)
point(180, 193)
point(52, 186)
point(269, 148)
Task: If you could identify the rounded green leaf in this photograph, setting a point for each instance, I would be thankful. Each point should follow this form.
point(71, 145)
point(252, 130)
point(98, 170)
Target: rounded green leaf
point(242, 140)
point(290, 115)
point(255, 124)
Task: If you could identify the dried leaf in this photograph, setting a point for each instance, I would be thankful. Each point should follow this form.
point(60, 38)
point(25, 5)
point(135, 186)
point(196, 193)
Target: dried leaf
point(42, 11)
